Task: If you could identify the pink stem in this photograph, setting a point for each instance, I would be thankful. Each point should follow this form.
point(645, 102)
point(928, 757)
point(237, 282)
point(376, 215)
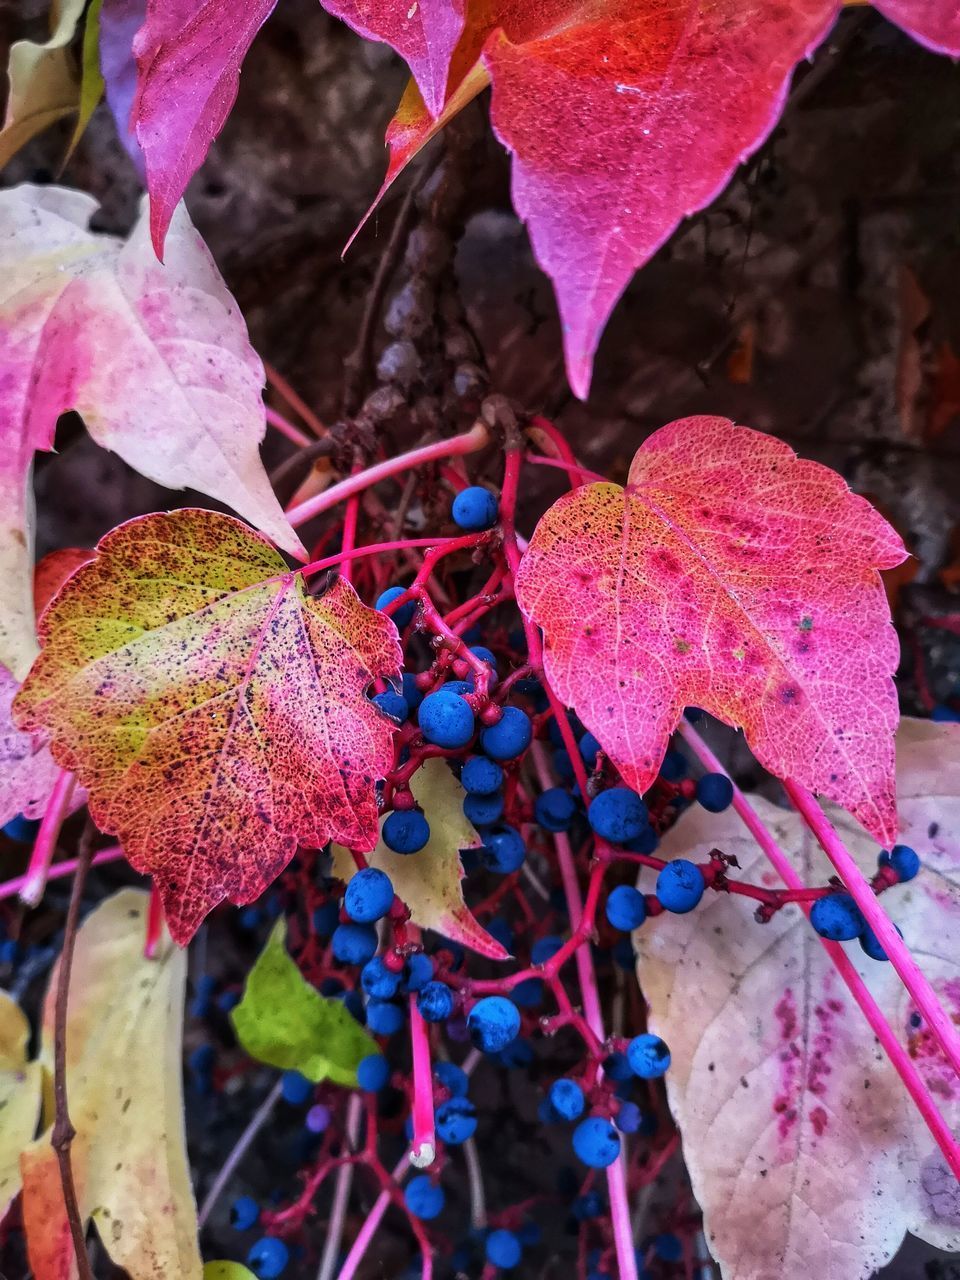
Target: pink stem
point(902, 1062)
point(580, 475)
point(286, 428)
point(154, 923)
point(34, 882)
point(279, 383)
point(376, 549)
point(372, 1221)
point(424, 1149)
point(66, 868)
point(469, 442)
point(341, 1194)
point(924, 996)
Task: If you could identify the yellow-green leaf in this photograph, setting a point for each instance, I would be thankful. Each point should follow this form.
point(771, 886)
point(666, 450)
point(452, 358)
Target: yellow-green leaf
point(227, 1271)
point(284, 1021)
point(20, 1089)
point(44, 85)
point(124, 1032)
point(91, 77)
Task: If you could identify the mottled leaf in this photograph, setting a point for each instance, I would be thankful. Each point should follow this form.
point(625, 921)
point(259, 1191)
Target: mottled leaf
point(429, 881)
point(284, 1021)
point(27, 769)
point(155, 358)
point(53, 570)
point(120, 20)
point(124, 1029)
point(935, 23)
point(777, 1083)
point(732, 576)
point(214, 710)
point(189, 54)
point(44, 85)
point(20, 1089)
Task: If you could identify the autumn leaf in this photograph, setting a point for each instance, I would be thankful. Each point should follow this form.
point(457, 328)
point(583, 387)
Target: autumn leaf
point(91, 79)
point(155, 358)
point(53, 570)
point(733, 576)
point(284, 1021)
point(20, 1094)
point(212, 707)
point(27, 769)
point(429, 881)
point(226, 1271)
point(44, 85)
point(124, 1029)
point(120, 20)
point(935, 23)
point(776, 1082)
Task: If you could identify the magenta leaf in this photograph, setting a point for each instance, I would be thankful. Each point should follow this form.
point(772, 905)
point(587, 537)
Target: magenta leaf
point(935, 23)
point(120, 20)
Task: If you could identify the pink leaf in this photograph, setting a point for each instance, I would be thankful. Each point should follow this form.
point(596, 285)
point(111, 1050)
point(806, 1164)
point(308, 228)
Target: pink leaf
point(189, 54)
point(935, 23)
point(120, 20)
point(27, 769)
point(733, 576)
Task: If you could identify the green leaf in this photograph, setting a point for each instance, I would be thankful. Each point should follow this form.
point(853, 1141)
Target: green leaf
point(91, 78)
point(283, 1021)
point(226, 1271)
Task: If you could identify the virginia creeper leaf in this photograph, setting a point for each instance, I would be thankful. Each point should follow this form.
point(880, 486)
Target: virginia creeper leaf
point(935, 23)
point(156, 359)
point(120, 20)
point(189, 54)
point(53, 570)
point(284, 1021)
point(776, 1082)
point(733, 576)
point(226, 1271)
point(91, 79)
point(124, 1029)
point(44, 85)
point(27, 769)
point(429, 881)
point(21, 1085)
point(214, 710)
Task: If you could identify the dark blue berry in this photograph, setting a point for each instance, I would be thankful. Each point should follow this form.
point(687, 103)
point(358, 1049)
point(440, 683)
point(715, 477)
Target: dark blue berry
point(424, 1197)
point(412, 693)
point(618, 815)
point(483, 811)
point(668, 1247)
point(503, 1249)
point(475, 509)
point(405, 831)
point(566, 1099)
point(617, 1066)
point(648, 1056)
point(904, 861)
point(493, 1022)
point(555, 809)
point(369, 895)
point(837, 917)
point(596, 1142)
point(326, 918)
point(453, 1078)
point(384, 1018)
point(499, 928)
point(674, 767)
point(435, 1002)
point(587, 1206)
point(529, 993)
point(871, 944)
point(379, 981)
point(296, 1089)
point(680, 886)
point(268, 1258)
point(544, 948)
point(445, 719)
point(354, 943)
point(481, 777)
point(626, 908)
point(456, 1121)
point(22, 830)
point(244, 1213)
point(509, 737)
point(504, 851)
point(715, 792)
point(373, 1073)
point(393, 705)
point(589, 748)
point(402, 616)
point(628, 1118)
point(417, 971)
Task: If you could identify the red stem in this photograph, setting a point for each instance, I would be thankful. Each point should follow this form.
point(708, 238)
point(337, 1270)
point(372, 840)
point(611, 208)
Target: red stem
point(286, 428)
point(154, 923)
point(34, 882)
point(423, 1152)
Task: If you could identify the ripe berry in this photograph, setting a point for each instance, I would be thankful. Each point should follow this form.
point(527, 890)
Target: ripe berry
point(618, 815)
point(668, 1247)
point(680, 886)
point(445, 719)
point(555, 809)
point(456, 1121)
point(674, 766)
point(268, 1258)
point(544, 948)
point(369, 895)
point(837, 917)
point(354, 943)
point(296, 1089)
point(244, 1213)
point(402, 616)
point(504, 851)
point(435, 1002)
point(384, 1018)
point(587, 1206)
point(596, 1142)
point(493, 1022)
point(509, 737)
point(412, 693)
point(373, 1073)
point(405, 831)
point(589, 747)
point(481, 777)
point(379, 981)
point(648, 1056)
point(484, 654)
point(628, 1118)
point(453, 1078)
point(626, 908)
point(715, 792)
point(904, 861)
point(424, 1198)
point(871, 943)
point(318, 1118)
point(393, 705)
point(417, 971)
point(503, 1249)
point(566, 1099)
point(617, 1066)
point(475, 509)
point(483, 811)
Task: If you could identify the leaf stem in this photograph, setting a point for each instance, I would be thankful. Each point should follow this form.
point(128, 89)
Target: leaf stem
point(38, 869)
point(257, 1121)
point(280, 423)
point(154, 923)
point(65, 868)
point(423, 1151)
point(372, 1221)
point(283, 387)
point(341, 1194)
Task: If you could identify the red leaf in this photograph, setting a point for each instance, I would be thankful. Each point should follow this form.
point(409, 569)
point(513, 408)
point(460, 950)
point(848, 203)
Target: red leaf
point(189, 54)
point(53, 570)
point(733, 576)
point(214, 709)
point(935, 23)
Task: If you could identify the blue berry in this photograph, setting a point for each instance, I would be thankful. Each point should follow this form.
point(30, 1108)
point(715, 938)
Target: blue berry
point(499, 928)
point(268, 1258)
point(373, 1073)
point(596, 1142)
point(518, 1053)
point(393, 705)
point(503, 1249)
point(435, 1002)
point(417, 971)
point(424, 1197)
point(475, 509)
point(628, 1118)
point(326, 918)
point(402, 616)
point(668, 1247)
point(250, 918)
point(674, 767)
point(379, 981)
point(562, 765)
point(445, 719)
point(493, 1022)
point(296, 1089)
point(481, 777)
point(484, 654)
point(618, 815)
point(228, 1000)
point(529, 993)
point(871, 943)
point(647, 842)
point(504, 851)
point(555, 809)
point(509, 737)
point(318, 1118)
point(904, 861)
point(837, 917)
point(530, 1234)
point(945, 713)
point(453, 1078)
point(617, 1066)
point(680, 886)
point(715, 792)
point(405, 831)
point(412, 693)
point(369, 895)
point(244, 1213)
point(589, 748)
point(354, 943)
point(626, 908)
point(202, 1059)
point(384, 1018)
point(566, 1099)
point(587, 1206)
point(544, 948)
point(456, 1121)
point(483, 811)
point(648, 1056)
